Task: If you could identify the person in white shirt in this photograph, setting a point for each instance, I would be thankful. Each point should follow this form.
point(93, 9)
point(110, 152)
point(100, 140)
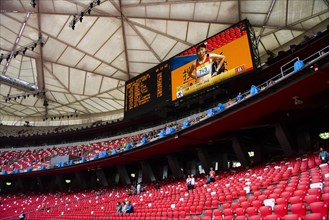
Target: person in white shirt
point(188, 182)
point(192, 182)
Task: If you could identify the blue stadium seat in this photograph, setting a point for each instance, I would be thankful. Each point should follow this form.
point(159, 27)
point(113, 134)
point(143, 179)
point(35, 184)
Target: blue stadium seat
point(144, 140)
point(186, 124)
point(220, 107)
point(114, 151)
point(254, 90)
point(298, 65)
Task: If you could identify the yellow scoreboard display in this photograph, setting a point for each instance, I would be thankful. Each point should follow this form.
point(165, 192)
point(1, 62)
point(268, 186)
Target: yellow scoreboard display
point(232, 43)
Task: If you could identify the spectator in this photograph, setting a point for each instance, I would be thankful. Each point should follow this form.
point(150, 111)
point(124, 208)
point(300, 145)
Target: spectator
point(192, 182)
point(43, 206)
point(323, 155)
point(229, 102)
point(138, 187)
point(21, 216)
point(211, 177)
point(157, 186)
point(143, 189)
point(239, 97)
point(129, 207)
point(252, 162)
point(118, 208)
point(188, 182)
point(123, 207)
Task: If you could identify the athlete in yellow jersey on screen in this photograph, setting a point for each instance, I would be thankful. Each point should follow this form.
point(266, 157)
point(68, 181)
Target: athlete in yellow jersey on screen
point(201, 69)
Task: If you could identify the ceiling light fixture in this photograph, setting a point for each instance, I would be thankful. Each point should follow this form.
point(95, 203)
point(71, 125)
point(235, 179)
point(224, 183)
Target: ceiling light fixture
point(34, 3)
point(22, 50)
point(324, 135)
point(79, 16)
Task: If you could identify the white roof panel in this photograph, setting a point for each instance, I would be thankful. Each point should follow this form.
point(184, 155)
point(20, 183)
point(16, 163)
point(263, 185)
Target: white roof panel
point(86, 68)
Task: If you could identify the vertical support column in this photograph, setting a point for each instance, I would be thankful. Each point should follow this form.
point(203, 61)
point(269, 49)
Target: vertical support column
point(60, 182)
point(81, 180)
point(223, 161)
point(174, 166)
point(22, 187)
point(241, 154)
point(304, 141)
point(102, 178)
point(116, 178)
point(165, 172)
point(284, 138)
point(40, 184)
point(2, 186)
point(147, 171)
point(204, 159)
point(193, 167)
point(124, 176)
point(258, 154)
point(140, 176)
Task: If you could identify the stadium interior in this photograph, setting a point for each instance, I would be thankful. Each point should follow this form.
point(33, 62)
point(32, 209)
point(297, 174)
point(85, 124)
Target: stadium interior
point(74, 142)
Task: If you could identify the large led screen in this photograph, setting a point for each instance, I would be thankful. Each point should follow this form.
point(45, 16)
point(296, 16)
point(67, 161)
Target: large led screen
point(218, 58)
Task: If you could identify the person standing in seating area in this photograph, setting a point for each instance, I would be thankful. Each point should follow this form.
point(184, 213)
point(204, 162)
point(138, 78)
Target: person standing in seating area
point(188, 182)
point(211, 177)
point(201, 70)
point(323, 155)
point(192, 182)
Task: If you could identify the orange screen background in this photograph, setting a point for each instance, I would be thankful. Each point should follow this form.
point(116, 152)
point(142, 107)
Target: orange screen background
point(236, 52)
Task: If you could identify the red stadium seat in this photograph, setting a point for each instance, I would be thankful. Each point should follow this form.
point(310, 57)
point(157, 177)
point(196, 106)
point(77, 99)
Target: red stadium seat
point(251, 211)
point(257, 204)
point(319, 207)
point(292, 217)
point(272, 217)
point(283, 201)
point(295, 200)
point(325, 198)
point(239, 211)
point(218, 212)
point(265, 211)
point(255, 217)
point(228, 212)
point(208, 213)
point(245, 204)
point(281, 210)
point(313, 216)
point(314, 191)
point(299, 209)
point(311, 198)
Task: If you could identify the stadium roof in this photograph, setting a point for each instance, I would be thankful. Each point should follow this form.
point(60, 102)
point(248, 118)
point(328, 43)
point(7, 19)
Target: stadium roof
point(83, 71)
